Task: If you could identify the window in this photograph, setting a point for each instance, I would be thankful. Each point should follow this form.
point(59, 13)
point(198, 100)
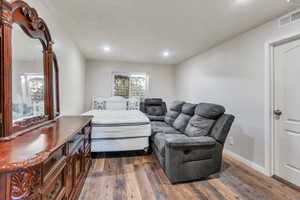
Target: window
point(130, 85)
point(29, 96)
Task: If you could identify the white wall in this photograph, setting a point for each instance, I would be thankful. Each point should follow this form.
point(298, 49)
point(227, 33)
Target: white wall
point(71, 62)
point(233, 74)
point(99, 79)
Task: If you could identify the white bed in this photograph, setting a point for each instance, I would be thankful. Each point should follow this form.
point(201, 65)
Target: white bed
point(119, 130)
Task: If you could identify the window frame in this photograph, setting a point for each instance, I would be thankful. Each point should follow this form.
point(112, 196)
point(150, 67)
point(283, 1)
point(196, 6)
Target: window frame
point(147, 89)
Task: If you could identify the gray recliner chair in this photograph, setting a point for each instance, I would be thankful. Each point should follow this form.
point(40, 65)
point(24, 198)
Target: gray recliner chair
point(154, 108)
point(189, 143)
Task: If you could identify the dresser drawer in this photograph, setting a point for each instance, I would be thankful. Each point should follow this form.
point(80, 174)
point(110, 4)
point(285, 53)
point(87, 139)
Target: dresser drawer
point(87, 130)
point(53, 161)
point(87, 135)
point(70, 178)
point(56, 189)
point(78, 163)
point(87, 158)
point(75, 142)
point(87, 143)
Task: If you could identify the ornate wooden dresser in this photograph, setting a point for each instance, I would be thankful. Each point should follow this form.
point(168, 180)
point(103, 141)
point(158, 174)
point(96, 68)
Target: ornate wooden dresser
point(43, 156)
point(47, 163)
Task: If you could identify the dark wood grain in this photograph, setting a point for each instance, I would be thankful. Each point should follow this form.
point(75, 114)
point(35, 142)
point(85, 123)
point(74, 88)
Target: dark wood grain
point(35, 147)
point(56, 76)
point(49, 163)
point(2, 186)
point(45, 157)
point(139, 177)
point(6, 95)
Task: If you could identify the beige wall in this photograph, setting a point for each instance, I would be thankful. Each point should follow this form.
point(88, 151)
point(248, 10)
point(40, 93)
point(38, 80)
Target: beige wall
point(71, 62)
point(99, 79)
point(233, 74)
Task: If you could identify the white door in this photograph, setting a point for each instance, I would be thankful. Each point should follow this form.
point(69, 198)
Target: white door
point(287, 111)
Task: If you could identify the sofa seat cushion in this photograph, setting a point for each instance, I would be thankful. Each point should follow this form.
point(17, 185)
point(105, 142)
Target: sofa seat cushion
point(162, 127)
point(192, 149)
point(156, 118)
point(154, 110)
point(159, 140)
point(190, 142)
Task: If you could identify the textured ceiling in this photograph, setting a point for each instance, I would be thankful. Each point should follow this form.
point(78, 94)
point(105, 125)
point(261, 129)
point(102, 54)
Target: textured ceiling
point(140, 30)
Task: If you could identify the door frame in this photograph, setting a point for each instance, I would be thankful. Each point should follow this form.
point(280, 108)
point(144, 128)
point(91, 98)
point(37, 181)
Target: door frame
point(269, 99)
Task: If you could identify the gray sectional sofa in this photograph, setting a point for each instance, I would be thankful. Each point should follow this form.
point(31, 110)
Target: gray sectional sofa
point(154, 108)
point(189, 142)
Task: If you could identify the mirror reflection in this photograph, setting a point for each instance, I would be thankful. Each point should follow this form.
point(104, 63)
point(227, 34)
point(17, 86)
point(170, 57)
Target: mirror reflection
point(27, 76)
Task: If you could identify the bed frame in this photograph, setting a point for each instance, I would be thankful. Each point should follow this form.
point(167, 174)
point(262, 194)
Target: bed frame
point(110, 138)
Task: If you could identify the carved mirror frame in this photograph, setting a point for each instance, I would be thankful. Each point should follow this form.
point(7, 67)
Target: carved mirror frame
point(19, 12)
point(56, 85)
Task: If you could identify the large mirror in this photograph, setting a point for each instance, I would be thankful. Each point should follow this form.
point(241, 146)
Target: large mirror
point(29, 86)
point(28, 83)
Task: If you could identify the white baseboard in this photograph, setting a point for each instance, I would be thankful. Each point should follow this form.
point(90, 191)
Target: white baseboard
point(246, 162)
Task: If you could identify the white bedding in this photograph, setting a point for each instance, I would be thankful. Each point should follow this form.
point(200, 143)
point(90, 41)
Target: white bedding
point(115, 117)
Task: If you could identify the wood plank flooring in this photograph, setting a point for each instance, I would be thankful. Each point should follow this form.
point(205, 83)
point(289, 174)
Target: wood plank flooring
point(134, 177)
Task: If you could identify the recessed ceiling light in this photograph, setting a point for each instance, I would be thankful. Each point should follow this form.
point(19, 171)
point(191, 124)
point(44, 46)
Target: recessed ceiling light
point(166, 53)
point(242, 2)
point(293, 1)
point(107, 48)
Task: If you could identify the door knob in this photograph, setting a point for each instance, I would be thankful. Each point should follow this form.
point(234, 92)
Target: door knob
point(277, 112)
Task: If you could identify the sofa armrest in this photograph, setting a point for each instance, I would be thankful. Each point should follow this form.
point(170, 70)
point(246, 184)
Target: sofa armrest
point(190, 142)
point(192, 157)
point(221, 128)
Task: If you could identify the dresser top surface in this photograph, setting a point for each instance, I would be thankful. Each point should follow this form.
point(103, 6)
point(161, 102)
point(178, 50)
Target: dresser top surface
point(35, 146)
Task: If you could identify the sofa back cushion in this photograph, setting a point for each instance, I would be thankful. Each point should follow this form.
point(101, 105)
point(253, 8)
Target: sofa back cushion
point(183, 119)
point(204, 119)
point(153, 102)
point(154, 110)
point(173, 113)
point(188, 109)
point(199, 126)
point(210, 111)
point(181, 122)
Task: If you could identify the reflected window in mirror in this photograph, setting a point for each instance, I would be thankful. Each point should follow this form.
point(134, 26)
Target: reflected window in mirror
point(28, 84)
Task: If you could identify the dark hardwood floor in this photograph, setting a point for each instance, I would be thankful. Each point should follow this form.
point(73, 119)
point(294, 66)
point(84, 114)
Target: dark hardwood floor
point(122, 177)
